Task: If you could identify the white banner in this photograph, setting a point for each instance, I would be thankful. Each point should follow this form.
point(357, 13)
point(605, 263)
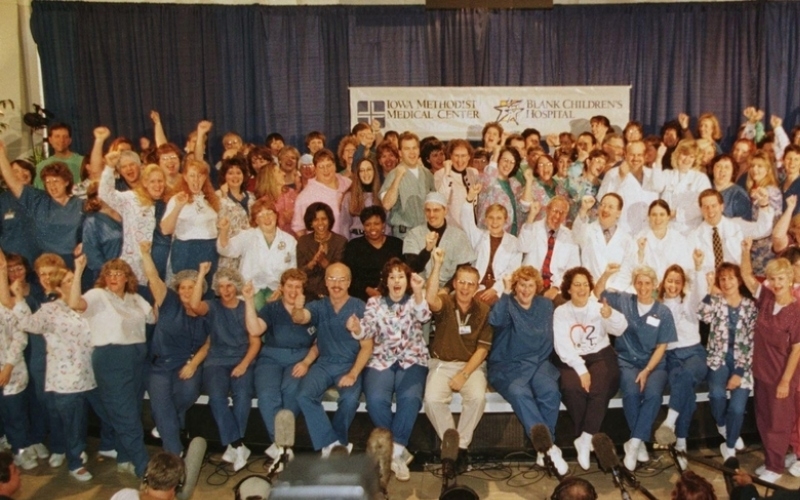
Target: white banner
point(461, 112)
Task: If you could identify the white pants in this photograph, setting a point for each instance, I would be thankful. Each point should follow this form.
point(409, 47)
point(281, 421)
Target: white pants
point(438, 396)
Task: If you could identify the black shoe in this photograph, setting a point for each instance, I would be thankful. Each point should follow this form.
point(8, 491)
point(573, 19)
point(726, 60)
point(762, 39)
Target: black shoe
point(733, 464)
point(462, 462)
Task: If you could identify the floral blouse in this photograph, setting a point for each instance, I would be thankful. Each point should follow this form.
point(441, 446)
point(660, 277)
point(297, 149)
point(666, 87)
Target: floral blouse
point(716, 314)
point(396, 329)
point(69, 347)
point(239, 219)
point(12, 344)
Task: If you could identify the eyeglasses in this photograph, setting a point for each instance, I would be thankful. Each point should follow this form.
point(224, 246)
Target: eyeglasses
point(337, 279)
point(115, 274)
point(232, 142)
point(16, 269)
point(169, 157)
point(466, 283)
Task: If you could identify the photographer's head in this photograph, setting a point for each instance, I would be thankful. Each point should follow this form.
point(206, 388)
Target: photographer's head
point(10, 479)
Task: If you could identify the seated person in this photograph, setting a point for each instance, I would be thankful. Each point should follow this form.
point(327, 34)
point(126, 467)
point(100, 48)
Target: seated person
point(366, 255)
point(163, 478)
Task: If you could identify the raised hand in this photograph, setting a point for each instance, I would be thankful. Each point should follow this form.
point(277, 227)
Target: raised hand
point(448, 167)
point(300, 301)
point(747, 244)
point(155, 116)
point(430, 240)
point(204, 268)
point(181, 198)
point(750, 113)
point(248, 290)
point(80, 263)
point(683, 119)
point(204, 127)
point(611, 268)
point(711, 281)
point(223, 224)
point(660, 152)
point(353, 324)
point(605, 310)
point(587, 202)
point(775, 121)
point(474, 191)
point(437, 255)
point(102, 133)
point(697, 257)
point(528, 175)
point(417, 283)
point(508, 282)
point(112, 158)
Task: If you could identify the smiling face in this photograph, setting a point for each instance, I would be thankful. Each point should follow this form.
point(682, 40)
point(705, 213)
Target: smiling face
point(544, 169)
point(374, 229)
point(460, 159)
point(728, 284)
point(23, 175)
point(267, 220)
point(397, 284)
point(781, 283)
point(579, 290)
point(658, 217)
point(723, 173)
point(505, 165)
point(634, 155)
point(116, 281)
point(711, 209)
point(366, 174)
point(436, 159)
point(644, 287)
point(325, 171)
point(337, 281)
point(758, 170)
point(226, 290)
point(791, 162)
point(45, 273)
point(557, 212)
point(56, 186)
point(596, 166)
point(234, 177)
point(435, 214)
point(491, 138)
point(609, 212)
point(130, 171)
point(290, 290)
point(409, 152)
point(321, 224)
point(194, 180)
point(185, 289)
point(524, 291)
point(706, 129)
point(60, 140)
point(348, 153)
point(315, 145)
point(155, 184)
point(288, 162)
point(495, 222)
point(170, 162)
point(388, 161)
point(673, 285)
point(465, 284)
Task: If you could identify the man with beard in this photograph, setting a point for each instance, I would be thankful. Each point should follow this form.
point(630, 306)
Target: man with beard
point(632, 181)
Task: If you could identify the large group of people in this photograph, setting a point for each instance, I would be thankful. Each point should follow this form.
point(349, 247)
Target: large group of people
point(556, 269)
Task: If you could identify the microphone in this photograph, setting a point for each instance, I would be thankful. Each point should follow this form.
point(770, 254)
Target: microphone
point(542, 443)
point(284, 439)
point(380, 446)
point(666, 437)
point(728, 470)
point(195, 454)
point(608, 461)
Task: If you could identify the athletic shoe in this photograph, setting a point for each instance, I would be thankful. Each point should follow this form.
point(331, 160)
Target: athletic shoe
point(726, 452)
point(274, 451)
point(680, 449)
point(57, 459)
point(126, 467)
point(558, 460)
point(789, 460)
point(761, 469)
point(630, 455)
point(40, 450)
point(4, 444)
point(770, 477)
point(584, 449)
point(739, 444)
point(641, 453)
point(326, 451)
point(155, 433)
point(242, 454)
point(108, 453)
point(400, 469)
point(407, 456)
point(81, 474)
point(229, 455)
point(795, 469)
point(26, 459)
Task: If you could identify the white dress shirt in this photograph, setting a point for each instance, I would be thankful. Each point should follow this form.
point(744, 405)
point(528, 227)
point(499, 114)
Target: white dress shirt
point(533, 243)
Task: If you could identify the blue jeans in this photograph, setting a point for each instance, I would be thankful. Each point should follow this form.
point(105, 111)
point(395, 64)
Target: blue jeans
point(276, 388)
point(14, 412)
point(727, 413)
point(42, 418)
point(170, 398)
point(687, 368)
point(71, 415)
point(319, 378)
point(408, 384)
point(531, 390)
point(641, 407)
point(118, 371)
point(218, 384)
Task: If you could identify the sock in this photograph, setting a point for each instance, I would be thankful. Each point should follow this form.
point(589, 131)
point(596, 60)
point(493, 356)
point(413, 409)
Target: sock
point(723, 431)
point(635, 443)
point(672, 417)
point(680, 444)
point(398, 449)
point(586, 438)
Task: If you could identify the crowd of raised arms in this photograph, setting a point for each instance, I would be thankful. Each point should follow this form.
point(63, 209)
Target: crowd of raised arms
point(555, 269)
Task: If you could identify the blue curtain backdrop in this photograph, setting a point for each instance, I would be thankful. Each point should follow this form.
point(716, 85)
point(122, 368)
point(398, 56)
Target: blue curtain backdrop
point(256, 69)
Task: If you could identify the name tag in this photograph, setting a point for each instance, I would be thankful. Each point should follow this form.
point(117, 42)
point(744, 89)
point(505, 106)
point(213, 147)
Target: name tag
point(8, 215)
point(464, 330)
point(653, 321)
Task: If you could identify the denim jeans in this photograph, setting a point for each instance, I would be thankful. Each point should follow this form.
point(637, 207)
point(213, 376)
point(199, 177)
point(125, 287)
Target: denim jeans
point(275, 386)
point(727, 413)
point(14, 412)
point(532, 390)
point(41, 417)
point(218, 384)
point(170, 398)
point(408, 385)
point(686, 367)
point(71, 415)
point(641, 407)
point(118, 371)
point(319, 378)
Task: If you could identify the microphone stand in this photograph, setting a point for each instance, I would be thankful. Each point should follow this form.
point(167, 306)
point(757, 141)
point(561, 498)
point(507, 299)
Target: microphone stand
point(631, 480)
point(726, 470)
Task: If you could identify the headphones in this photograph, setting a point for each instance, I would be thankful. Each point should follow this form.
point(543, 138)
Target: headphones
point(570, 482)
point(178, 487)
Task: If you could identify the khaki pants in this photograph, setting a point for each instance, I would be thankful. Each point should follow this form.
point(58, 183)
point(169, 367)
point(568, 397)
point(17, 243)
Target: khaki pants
point(438, 396)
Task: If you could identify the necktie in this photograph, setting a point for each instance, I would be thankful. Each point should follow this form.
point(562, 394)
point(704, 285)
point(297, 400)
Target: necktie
point(716, 242)
point(546, 275)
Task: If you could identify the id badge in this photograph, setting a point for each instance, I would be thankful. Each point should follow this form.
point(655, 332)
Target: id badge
point(653, 321)
point(464, 330)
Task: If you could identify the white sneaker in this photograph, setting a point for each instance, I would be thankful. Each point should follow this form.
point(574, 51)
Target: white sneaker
point(400, 469)
point(794, 469)
point(726, 452)
point(770, 477)
point(739, 444)
point(326, 451)
point(790, 459)
point(155, 433)
point(558, 460)
point(630, 455)
point(81, 474)
point(57, 459)
point(84, 457)
point(761, 469)
point(126, 468)
point(26, 459)
point(40, 450)
point(4, 444)
point(407, 456)
point(641, 453)
point(229, 455)
point(540, 459)
point(274, 451)
point(242, 454)
point(107, 453)
point(584, 450)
